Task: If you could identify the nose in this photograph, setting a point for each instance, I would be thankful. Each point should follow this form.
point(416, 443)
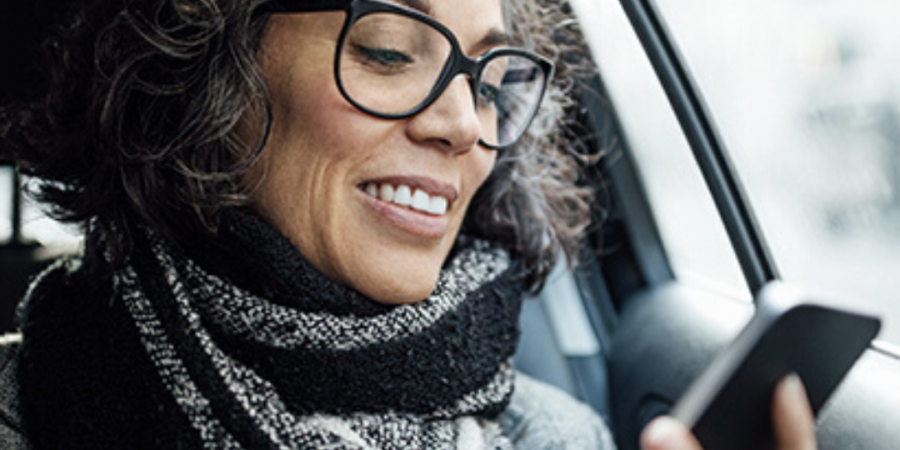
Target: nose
point(451, 122)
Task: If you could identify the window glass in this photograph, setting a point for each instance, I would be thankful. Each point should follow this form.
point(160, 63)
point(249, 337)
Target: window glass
point(5, 204)
point(806, 94)
point(690, 227)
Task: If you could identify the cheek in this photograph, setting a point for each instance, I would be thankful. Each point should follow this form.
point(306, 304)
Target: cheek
point(305, 109)
point(310, 146)
point(478, 168)
point(306, 104)
point(303, 155)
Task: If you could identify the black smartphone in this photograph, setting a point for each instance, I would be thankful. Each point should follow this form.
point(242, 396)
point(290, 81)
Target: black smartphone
point(729, 405)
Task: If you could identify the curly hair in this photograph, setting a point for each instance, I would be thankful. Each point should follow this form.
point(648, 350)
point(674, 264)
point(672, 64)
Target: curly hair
point(142, 125)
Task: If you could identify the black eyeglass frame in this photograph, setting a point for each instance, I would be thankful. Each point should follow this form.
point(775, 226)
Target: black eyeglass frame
point(457, 62)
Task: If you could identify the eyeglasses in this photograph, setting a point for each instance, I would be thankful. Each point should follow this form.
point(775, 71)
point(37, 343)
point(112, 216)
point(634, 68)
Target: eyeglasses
point(393, 62)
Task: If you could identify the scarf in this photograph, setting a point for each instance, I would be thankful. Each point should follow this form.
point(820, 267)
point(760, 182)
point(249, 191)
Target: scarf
point(287, 359)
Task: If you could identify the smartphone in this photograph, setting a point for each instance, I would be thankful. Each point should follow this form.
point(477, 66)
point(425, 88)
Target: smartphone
point(729, 405)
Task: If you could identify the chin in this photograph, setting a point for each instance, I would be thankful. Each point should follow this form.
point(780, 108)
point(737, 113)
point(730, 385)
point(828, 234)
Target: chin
point(394, 290)
point(392, 270)
point(404, 295)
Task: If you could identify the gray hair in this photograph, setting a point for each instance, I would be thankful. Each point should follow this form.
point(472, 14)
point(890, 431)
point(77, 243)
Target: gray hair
point(532, 203)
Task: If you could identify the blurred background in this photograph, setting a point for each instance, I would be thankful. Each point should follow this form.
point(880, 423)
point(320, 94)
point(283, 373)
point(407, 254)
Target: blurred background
point(806, 96)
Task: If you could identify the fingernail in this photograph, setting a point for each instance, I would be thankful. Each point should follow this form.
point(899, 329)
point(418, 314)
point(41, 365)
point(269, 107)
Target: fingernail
point(794, 386)
point(661, 431)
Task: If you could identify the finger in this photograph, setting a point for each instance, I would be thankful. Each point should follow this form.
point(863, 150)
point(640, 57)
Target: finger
point(666, 433)
point(792, 416)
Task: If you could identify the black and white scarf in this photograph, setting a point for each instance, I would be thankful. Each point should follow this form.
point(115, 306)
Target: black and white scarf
point(300, 362)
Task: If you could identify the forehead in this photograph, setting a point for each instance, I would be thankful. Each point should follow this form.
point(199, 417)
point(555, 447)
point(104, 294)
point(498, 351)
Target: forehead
point(428, 6)
point(470, 20)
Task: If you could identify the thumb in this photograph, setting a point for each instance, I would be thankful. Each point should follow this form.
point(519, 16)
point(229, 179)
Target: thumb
point(666, 433)
point(792, 416)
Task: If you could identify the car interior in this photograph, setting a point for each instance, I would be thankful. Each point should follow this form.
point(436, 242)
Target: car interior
point(625, 331)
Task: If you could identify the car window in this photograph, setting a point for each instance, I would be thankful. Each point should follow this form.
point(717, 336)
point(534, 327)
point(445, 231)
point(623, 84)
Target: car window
point(5, 204)
point(807, 98)
point(36, 225)
point(690, 227)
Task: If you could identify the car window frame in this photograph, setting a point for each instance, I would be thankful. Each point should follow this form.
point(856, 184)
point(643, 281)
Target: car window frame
point(708, 148)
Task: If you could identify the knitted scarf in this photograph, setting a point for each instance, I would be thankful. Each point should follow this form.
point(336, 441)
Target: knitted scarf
point(299, 362)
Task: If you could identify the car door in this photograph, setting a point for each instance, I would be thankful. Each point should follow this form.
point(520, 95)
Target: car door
point(740, 149)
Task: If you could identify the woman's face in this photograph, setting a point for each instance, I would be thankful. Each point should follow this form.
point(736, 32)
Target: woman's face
point(325, 159)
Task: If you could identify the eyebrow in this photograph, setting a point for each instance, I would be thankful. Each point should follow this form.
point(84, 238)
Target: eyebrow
point(423, 6)
point(494, 38)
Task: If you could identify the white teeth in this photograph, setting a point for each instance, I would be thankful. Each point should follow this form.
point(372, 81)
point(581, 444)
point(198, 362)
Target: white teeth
point(403, 196)
point(420, 201)
point(438, 206)
point(387, 192)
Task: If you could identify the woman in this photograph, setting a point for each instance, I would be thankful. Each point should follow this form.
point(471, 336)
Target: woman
point(269, 190)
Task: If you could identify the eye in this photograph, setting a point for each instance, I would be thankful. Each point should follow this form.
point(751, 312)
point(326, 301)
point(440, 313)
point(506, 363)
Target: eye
point(384, 57)
point(488, 95)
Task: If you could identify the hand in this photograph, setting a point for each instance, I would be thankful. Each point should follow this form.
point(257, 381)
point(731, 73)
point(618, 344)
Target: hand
point(791, 415)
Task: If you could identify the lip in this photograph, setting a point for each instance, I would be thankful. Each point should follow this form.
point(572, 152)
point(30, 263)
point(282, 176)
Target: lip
point(421, 224)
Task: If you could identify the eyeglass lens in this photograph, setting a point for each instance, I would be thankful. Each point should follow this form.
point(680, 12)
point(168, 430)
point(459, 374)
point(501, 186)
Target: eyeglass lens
point(390, 64)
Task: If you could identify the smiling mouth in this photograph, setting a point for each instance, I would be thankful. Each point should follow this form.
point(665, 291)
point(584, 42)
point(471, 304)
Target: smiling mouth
point(403, 195)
